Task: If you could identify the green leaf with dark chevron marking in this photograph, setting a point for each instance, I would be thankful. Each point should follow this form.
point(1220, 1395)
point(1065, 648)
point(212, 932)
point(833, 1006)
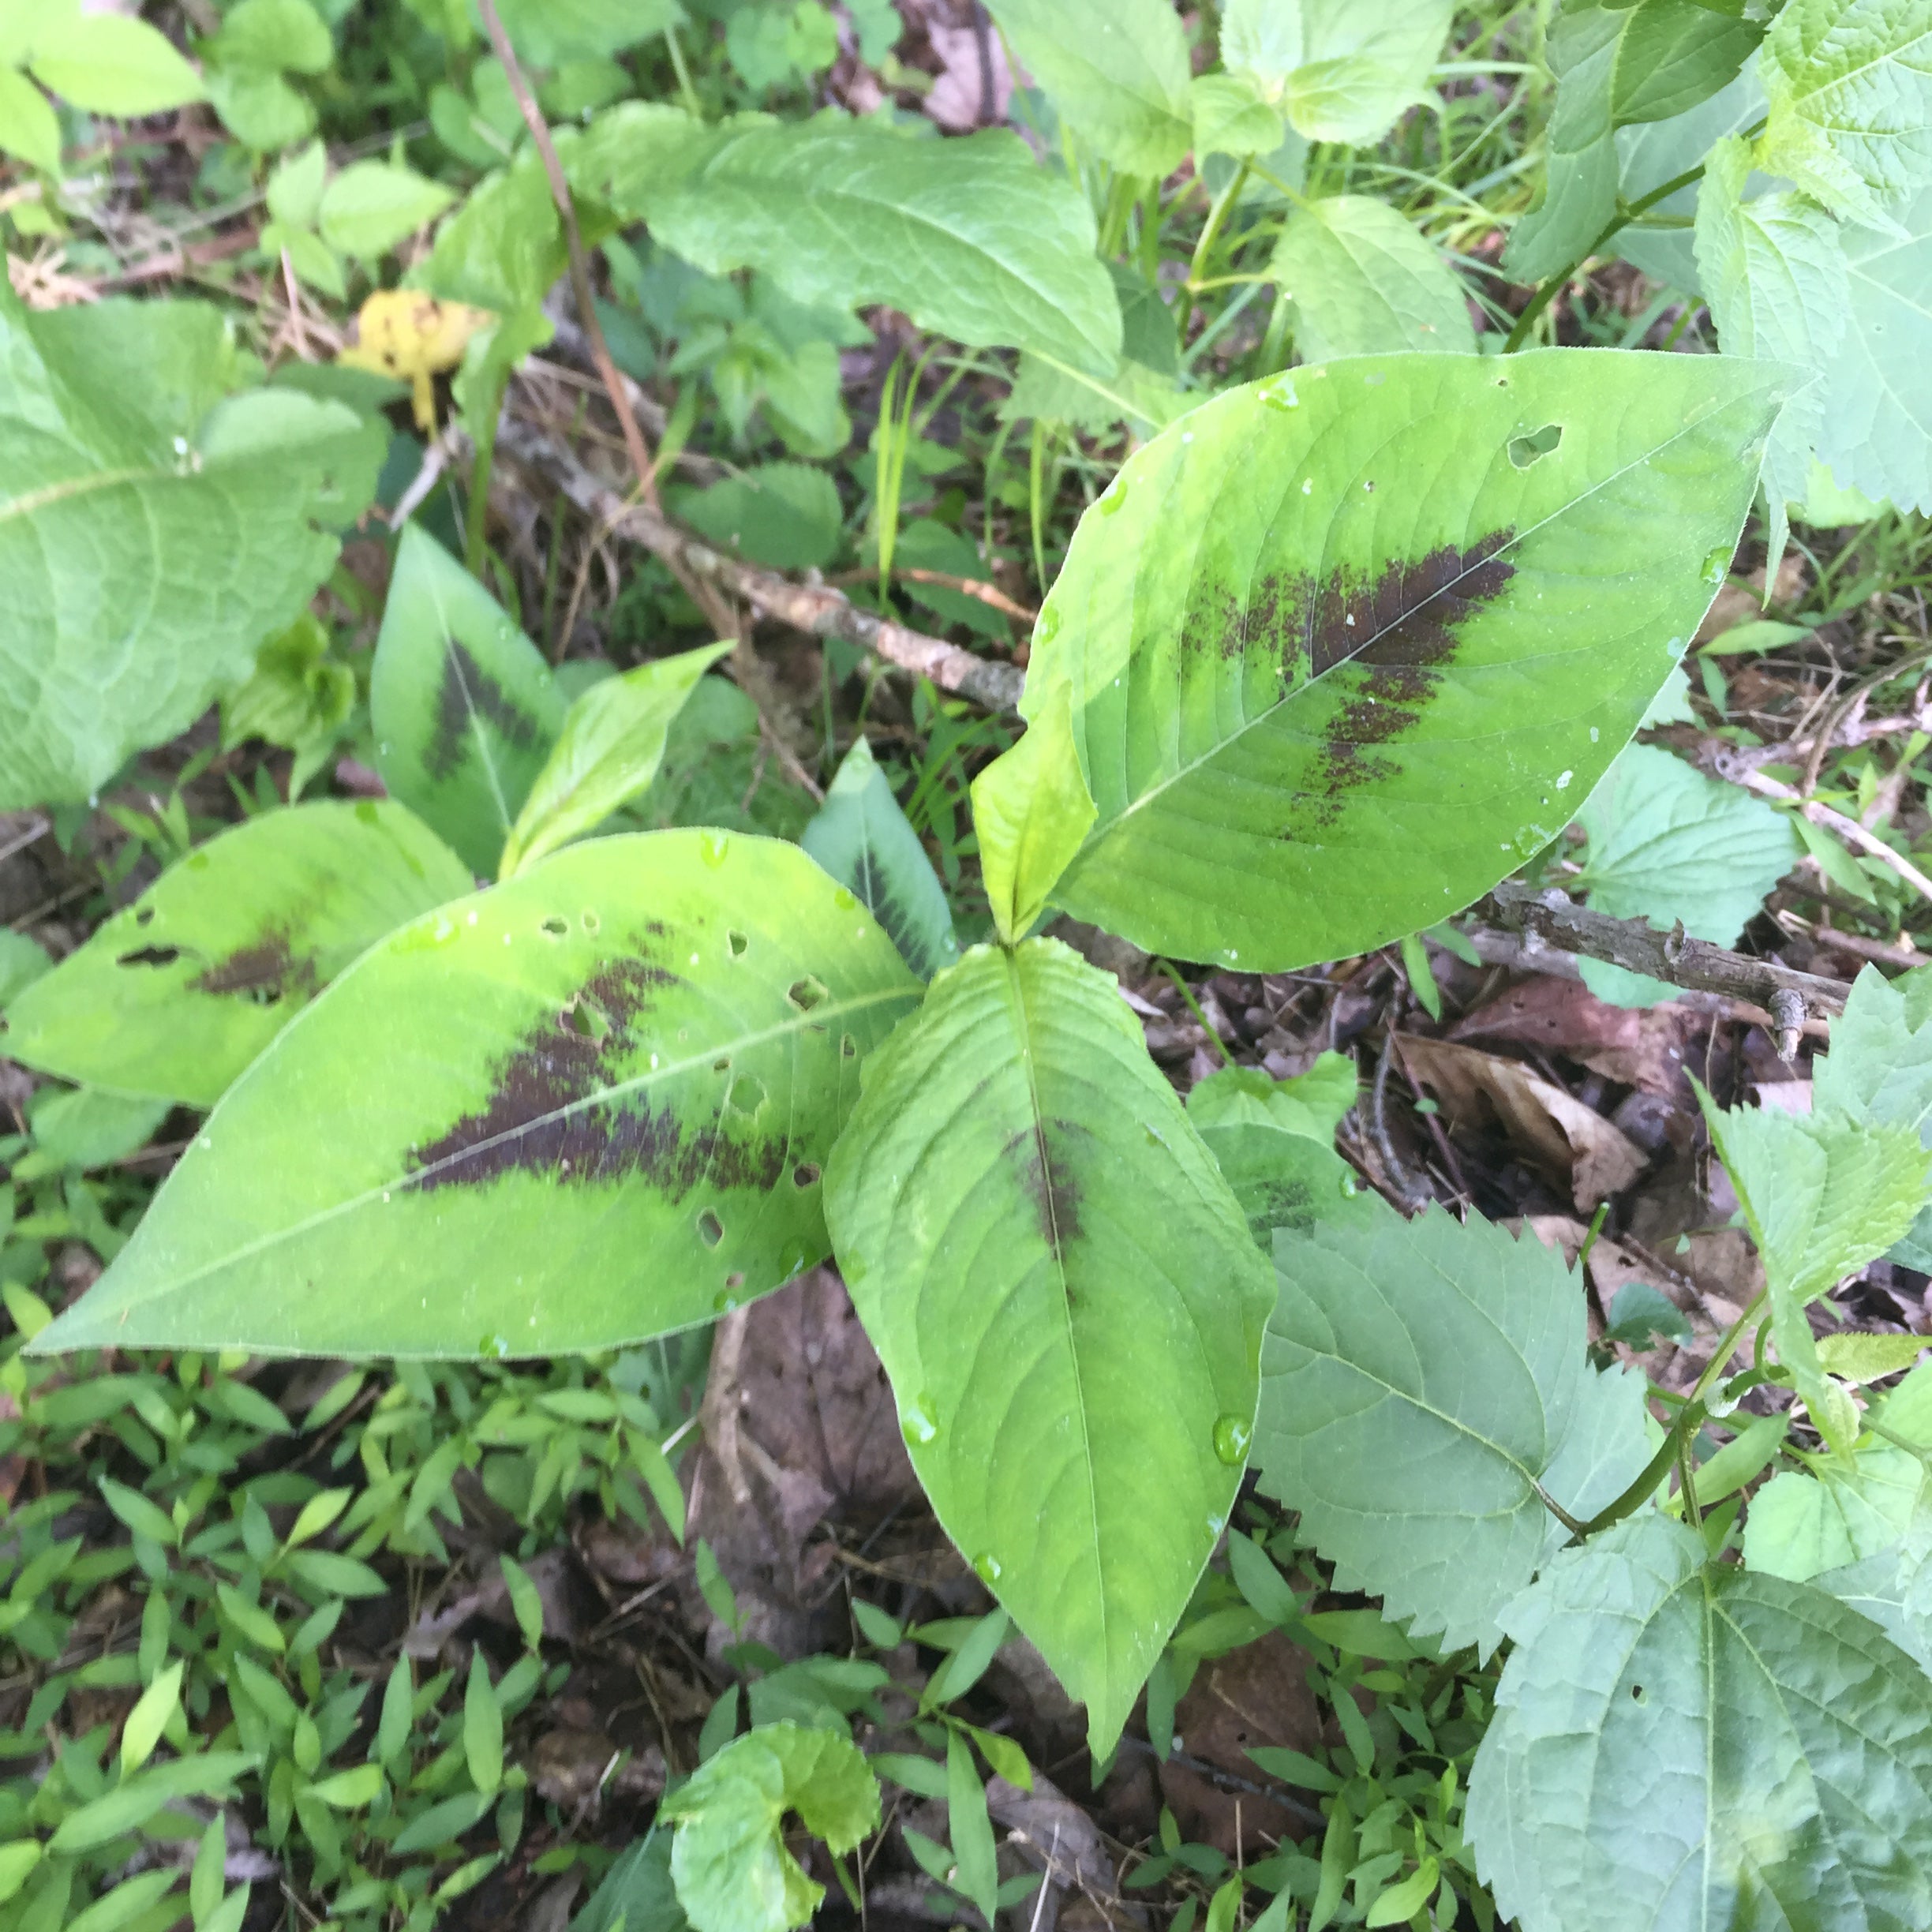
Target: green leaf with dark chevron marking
point(176, 993)
point(581, 1108)
point(464, 708)
point(1064, 1293)
point(1346, 646)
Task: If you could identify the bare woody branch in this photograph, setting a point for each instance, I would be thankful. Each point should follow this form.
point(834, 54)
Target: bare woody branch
point(815, 608)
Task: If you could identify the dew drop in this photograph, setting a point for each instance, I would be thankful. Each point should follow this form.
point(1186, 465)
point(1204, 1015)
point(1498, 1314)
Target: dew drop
point(1114, 498)
point(1563, 782)
point(1215, 1526)
point(987, 1568)
point(844, 899)
point(1232, 1435)
point(917, 1423)
point(494, 1346)
point(1282, 396)
point(1594, 734)
point(1048, 627)
point(1308, 486)
point(1350, 1187)
point(1717, 565)
point(712, 846)
point(724, 1302)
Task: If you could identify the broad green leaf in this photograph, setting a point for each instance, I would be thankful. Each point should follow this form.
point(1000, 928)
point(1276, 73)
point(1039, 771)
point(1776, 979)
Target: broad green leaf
point(1310, 1104)
point(864, 840)
point(1801, 1524)
point(1363, 280)
point(972, 238)
point(786, 515)
point(1856, 1356)
point(729, 1861)
point(1274, 1141)
point(108, 64)
point(1232, 115)
point(372, 205)
point(608, 751)
point(636, 1894)
point(1875, 432)
point(29, 126)
point(503, 249)
point(1341, 70)
point(1343, 647)
point(547, 33)
point(1774, 272)
point(1668, 843)
point(274, 36)
point(1116, 70)
point(151, 534)
point(1684, 1745)
point(175, 994)
point(1822, 1195)
point(1849, 84)
point(22, 961)
point(87, 1127)
point(1894, 1589)
point(1030, 809)
point(1061, 1289)
point(259, 108)
point(464, 708)
point(1615, 64)
point(585, 1107)
point(295, 186)
point(1421, 1380)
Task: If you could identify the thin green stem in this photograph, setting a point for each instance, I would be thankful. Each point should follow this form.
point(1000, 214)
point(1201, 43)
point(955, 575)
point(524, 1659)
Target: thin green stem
point(1193, 1007)
point(684, 75)
point(1210, 229)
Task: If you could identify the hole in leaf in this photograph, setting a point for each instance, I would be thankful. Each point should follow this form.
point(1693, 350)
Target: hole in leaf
point(738, 943)
point(1637, 1693)
point(556, 926)
point(587, 1019)
point(1525, 450)
point(722, 1064)
point(747, 1094)
point(710, 1229)
point(151, 956)
point(145, 916)
point(848, 1047)
point(805, 1174)
point(806, 994)
point(735, 1279)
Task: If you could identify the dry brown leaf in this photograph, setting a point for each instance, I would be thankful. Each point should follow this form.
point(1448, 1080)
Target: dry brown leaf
point(1634, 1047)
point(1551, 1127)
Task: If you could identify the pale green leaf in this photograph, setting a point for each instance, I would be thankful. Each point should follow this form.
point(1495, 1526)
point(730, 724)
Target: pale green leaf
point(1342, 646)
point(22, 961)
point(976, 1866)
point(1680, 1745)
point(148, 541)
point(17, 1862)
point(259, 108)
point(352, 1790)
point(464, 708)
point(372, 205)
point(1232, 115)
point(1060, 1286)
point(129, 1806)
point(482, 1727)
point(275, 36)
point(1848, 1507)
point(1363, 280)
point(972, 238)
point(109, 63)
point(865, 841)
point(90, 1128)
point(1854, 1357)
point(1274, 1141)
point(1031, 809)
point(1615, 64)
point(28, 124)
point(1311, 1104)
point(1116, 70)
point(1341, 70)
point(729, 1861)
point(174, 995)
point(1894, 1589)
point(503, 249)
point(295, 186)
point(786, 515)
point(1774, 273)
point(547, 33)
point(1420, 1381)
point(587, 1106)
point(149, 1718)
point(607, 752)
point(1849, 85)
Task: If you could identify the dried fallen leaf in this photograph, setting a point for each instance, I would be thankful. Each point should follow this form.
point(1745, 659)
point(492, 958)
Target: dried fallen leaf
point(1636, 1046)
point(1551, 1127)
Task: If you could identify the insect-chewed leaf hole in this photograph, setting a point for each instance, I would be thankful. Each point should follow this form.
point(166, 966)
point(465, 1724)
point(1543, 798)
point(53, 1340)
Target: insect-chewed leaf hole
point(738, 943)
point(1638, 1694)
point(586, 1018)
point(145, 916)
point(806, 994)
point(722, 1063)
point(710, 1229)
point(848, 1047)
point(1525, 450)
point(735, 1280)
point(557, 925)
point(149, 956)
point(805, 1174)
point(747, 1094)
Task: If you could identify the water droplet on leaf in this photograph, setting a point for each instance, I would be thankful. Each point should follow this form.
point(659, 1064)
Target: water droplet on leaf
point(917, 1423)
point(987, 1568)
point(495, 1347)
point(1350, 1187)
point(712, 846)
point(1232, 1434)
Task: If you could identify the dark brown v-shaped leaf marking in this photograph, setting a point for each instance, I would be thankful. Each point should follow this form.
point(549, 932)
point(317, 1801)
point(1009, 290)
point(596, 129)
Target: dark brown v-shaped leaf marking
point(468, 691)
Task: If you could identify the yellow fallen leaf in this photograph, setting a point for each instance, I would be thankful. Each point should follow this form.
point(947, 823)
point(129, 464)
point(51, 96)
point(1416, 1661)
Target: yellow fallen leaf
point(412, 336)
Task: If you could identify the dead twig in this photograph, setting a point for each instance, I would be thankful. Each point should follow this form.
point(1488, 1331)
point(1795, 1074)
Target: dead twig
point(989, 593)
point(817, 609)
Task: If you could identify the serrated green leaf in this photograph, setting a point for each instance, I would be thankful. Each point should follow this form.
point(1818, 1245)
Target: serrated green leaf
point(295, 186)
point(1031, 808)
point(1363, 280)
point(1420, 1380)
point(1893, 1588)
point(150, 542)
point(1849, 85)
point(1614, 66)
point(372, 205)
point(1116, 70)
point(1668, 843)
point(464, 708)
point(607, 752)
point(175, 995)
point(259, 108)
point(1232, 115)
point(503, 249)
point(1859, 1358)
point(864, 841)
point(728, 1861)
point(1274, 1141)
point(109, 63)
point(1774, 272)
point(1341, 70)
point(1679, 1744)
point(1342, 647)
point(972, 238)
point(1848, 1507)
point(1060, 1286)
point(588, 1106)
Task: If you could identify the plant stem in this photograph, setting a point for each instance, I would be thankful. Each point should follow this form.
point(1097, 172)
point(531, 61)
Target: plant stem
point(1193, 1007)
point(1210, 229)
